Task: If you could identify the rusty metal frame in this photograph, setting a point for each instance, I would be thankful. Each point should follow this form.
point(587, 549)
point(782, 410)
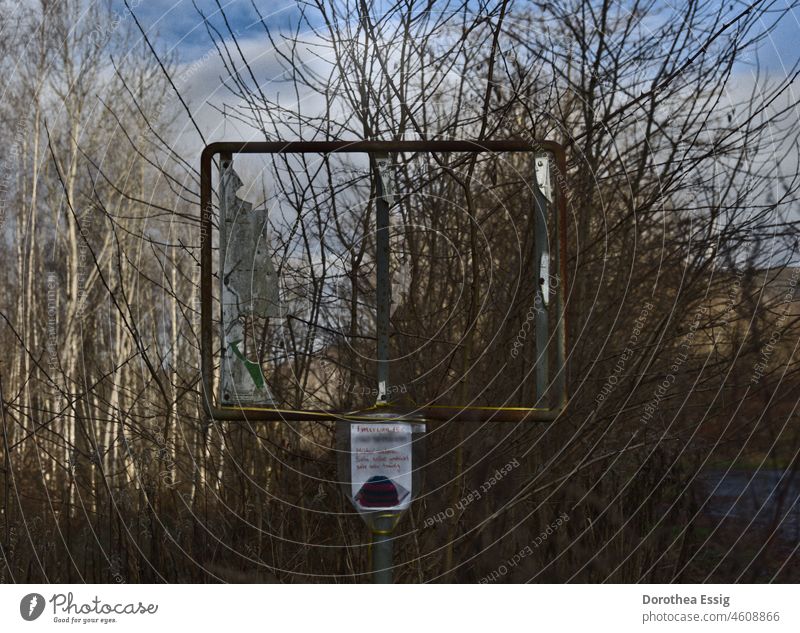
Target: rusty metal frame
point(226, 149)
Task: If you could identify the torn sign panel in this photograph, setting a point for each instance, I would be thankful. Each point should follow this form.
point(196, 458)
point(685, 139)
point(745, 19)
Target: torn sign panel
point(249, 294)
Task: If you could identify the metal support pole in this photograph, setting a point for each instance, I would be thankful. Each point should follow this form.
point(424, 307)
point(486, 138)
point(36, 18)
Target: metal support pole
point(543, 198)
point(382, 550)
point(383, 525)
point(384, 290)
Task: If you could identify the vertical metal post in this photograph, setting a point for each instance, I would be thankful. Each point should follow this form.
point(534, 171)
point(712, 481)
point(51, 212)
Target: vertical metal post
point(382, 551)
point(383, 525)
point(384, 290)
point(543, 198)
point(559, 221)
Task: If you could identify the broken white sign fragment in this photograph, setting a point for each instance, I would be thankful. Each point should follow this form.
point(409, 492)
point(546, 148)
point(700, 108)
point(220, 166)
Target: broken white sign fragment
point(248, 291)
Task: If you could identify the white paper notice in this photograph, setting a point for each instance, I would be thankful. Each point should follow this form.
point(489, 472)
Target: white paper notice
point(380, 465)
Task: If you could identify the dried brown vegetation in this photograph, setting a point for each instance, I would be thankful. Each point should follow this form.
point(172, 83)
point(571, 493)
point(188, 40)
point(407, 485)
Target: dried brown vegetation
point(681, 206)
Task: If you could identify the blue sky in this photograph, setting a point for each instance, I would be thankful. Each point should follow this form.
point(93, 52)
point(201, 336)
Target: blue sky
point(177, 25)
point(781, 49)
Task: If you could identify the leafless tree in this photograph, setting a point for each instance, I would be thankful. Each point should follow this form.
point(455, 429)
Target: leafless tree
point(682, 327)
